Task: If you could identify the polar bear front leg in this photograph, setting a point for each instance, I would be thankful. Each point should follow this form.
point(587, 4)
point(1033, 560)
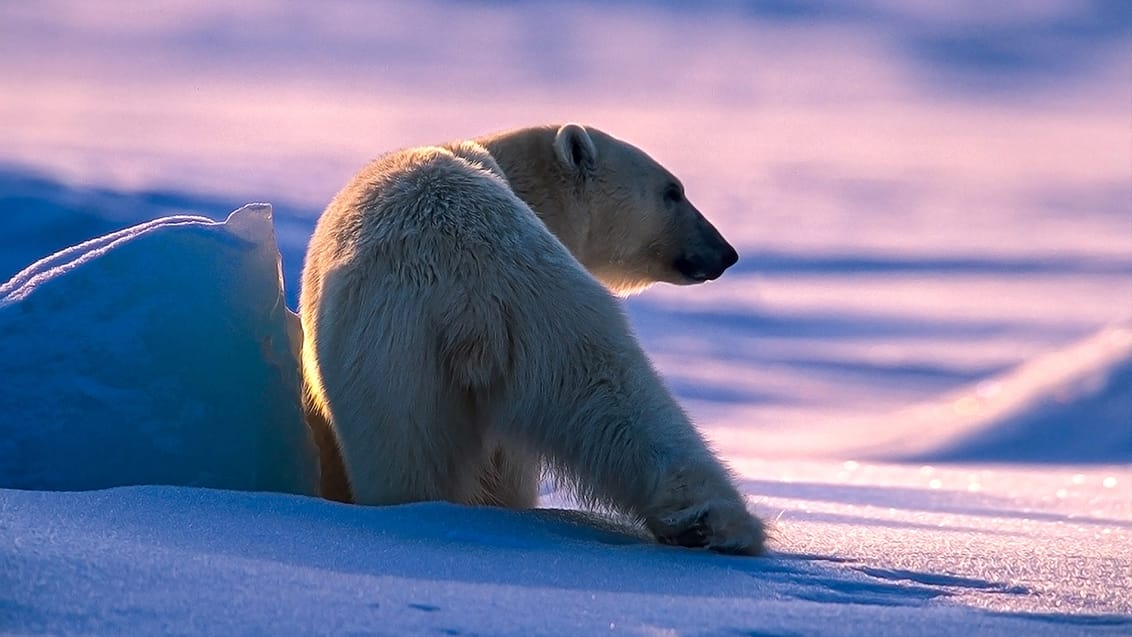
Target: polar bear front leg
point(663, 474)
point(685, 495)
point(604, 420)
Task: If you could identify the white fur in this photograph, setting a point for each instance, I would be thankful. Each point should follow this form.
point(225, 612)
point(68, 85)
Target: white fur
point(454, 345)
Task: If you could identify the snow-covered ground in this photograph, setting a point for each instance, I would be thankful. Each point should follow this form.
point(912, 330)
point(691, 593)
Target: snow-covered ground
point(921, 369)
point(865, 550)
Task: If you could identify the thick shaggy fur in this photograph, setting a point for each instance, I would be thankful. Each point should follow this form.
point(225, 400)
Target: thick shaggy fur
point(454, 345)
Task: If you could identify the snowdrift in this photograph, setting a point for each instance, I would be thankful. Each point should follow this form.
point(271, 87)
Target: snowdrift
point(1073, 405)
point(159, 354)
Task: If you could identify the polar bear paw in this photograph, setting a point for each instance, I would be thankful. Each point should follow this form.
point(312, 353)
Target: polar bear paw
point(692, 514)
point(720, 526)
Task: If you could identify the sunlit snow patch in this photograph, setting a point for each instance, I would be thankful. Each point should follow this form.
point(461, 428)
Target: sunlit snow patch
point(159, 354)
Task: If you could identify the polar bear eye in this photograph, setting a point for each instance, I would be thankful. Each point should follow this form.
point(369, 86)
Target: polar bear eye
point(673, 194)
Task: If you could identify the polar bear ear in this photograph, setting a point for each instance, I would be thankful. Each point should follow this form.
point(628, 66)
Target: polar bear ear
point(575, 149)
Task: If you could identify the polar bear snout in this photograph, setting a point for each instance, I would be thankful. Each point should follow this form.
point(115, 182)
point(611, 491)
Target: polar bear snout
point(708, 256)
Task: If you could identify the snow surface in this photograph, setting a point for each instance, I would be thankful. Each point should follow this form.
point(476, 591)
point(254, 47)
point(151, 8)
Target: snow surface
point(920, 369)
point(864, 550)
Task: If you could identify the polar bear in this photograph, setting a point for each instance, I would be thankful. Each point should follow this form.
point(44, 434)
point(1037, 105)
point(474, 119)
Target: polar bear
point(459, 339)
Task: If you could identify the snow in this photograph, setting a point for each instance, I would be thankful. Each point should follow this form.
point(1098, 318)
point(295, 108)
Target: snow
point(268, 564)
point(920, 370)
point(872, 546)
point(159, 354)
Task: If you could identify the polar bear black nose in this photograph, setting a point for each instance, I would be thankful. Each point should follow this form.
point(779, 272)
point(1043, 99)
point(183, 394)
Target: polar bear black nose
point(730, 257)
point(706, 265)
point(705, 254)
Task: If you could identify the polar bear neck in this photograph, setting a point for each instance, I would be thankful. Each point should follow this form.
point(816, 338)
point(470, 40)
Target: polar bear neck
point(528, 160)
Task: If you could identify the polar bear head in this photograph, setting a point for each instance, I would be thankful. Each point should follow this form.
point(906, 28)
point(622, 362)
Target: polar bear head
point(622, 215)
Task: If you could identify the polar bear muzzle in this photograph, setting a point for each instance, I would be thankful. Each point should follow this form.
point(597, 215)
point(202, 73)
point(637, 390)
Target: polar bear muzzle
point(705, 254)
